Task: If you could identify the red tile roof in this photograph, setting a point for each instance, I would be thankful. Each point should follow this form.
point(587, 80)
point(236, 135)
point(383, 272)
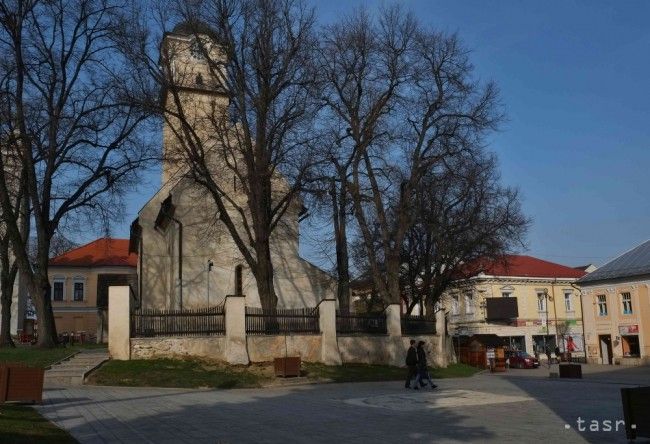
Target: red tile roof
point(99, 253)
point(523, 266)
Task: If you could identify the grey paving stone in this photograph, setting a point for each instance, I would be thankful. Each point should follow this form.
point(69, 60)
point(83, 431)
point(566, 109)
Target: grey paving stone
point(516, 407)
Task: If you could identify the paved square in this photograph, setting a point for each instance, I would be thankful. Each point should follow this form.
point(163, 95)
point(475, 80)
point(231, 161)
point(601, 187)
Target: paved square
point(438, 399)
point(519, 406)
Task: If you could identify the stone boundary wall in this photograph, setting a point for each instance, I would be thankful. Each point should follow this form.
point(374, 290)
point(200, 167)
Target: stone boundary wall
point(236, 347)
point(208, 347)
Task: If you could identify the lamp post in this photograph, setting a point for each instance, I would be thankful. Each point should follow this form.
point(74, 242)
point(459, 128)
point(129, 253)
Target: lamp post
point(210, 265)
point(546, 349)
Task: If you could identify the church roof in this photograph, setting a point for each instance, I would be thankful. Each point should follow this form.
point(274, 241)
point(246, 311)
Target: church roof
point(194, 26)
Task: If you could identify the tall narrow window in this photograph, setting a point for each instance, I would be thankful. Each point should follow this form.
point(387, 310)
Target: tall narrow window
point(626, 298)
point(602, 305)
point(58, 289)
point(78, 290)
point(469, 303)
point(238, 280)
point(541, 301)
point(568, 301)
point(455, 305)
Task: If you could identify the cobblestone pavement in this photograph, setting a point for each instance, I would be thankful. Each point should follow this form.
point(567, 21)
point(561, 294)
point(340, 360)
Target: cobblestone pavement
point(483, 408)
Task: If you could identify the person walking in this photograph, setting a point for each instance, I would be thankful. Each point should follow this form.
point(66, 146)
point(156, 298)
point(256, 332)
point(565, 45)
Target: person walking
point(423, 371)
point(412, 365)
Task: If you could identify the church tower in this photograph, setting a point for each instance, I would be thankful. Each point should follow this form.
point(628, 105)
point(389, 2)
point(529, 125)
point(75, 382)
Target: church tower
point(190, 53)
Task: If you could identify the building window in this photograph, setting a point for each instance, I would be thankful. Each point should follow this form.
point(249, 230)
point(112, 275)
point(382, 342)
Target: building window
point(196, 50)
point(78, 290)
point(454, 305)
point(58, 289)
point(631, 346)
point(506, 294)
point(469, 303)
point(568, 301)
point(627, 303)
point(602, 305)
point(541, 301)
point(238, 280)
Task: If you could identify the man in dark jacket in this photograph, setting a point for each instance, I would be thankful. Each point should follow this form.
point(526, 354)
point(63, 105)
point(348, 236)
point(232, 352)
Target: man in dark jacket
point(411, 364)
point(423, 371)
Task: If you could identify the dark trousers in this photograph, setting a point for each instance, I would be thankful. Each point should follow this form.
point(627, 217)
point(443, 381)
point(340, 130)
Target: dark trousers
point(412, 373)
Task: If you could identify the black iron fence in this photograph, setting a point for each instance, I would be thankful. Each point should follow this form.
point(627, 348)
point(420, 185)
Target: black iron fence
point(281, 321)
point(418, 325)
point(352, 323)
point(153, 322)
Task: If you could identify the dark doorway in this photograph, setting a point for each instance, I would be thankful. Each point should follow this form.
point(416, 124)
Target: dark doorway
point(605, 342)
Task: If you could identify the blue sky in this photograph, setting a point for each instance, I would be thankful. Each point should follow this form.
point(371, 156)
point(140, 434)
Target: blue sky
point(574, 81)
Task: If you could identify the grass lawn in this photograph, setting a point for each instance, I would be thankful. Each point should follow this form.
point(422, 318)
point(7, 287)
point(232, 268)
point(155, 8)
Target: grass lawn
point(192, 373)
point(364, 372)
point(37, 357)
point(21, 424)
point(177, 373)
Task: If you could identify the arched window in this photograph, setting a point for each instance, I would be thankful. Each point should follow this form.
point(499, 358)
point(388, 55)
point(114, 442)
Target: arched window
point(199, 79)
point(238, 280)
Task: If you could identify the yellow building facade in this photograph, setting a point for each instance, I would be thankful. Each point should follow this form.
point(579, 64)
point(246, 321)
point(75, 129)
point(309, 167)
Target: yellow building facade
point(616, 300)
point(543, 311)
point(79, 281)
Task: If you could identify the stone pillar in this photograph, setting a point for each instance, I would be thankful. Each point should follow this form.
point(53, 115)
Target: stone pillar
point(329, 353)
point(394, 320)
point(119, 323)
point(396, 345)
point(441, 358)
point(236, 350)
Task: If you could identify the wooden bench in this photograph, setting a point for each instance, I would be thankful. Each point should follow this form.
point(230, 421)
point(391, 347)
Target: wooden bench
point(21, 383)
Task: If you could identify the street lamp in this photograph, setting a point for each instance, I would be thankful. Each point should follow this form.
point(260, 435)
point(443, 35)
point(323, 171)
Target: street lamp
point(210, 265)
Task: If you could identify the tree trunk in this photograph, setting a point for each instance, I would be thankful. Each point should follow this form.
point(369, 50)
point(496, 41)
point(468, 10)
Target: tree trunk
point(7, 278)
point(5, 322)
point(340, 234)
point(392, 280)
point(47, 336)
point(264, 277)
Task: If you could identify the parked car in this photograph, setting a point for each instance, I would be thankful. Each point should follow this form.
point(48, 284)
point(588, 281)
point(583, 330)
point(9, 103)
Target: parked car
point(521, 359)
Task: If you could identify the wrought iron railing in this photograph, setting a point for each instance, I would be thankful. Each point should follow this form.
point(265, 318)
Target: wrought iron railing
point(353, 323)
point(199, 322)
point(282, 321)
point(418, 325)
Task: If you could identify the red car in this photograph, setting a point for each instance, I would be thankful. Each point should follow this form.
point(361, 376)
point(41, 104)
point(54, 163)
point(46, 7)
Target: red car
point(521, 359)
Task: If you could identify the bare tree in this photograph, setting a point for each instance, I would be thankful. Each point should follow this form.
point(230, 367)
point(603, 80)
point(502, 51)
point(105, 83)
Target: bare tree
point(406, 101)
point(74, 134)
point(251, 151)
point(8, 265)
point(460, 214)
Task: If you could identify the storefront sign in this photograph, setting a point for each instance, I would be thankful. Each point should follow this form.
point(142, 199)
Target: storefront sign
point(628, 329)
